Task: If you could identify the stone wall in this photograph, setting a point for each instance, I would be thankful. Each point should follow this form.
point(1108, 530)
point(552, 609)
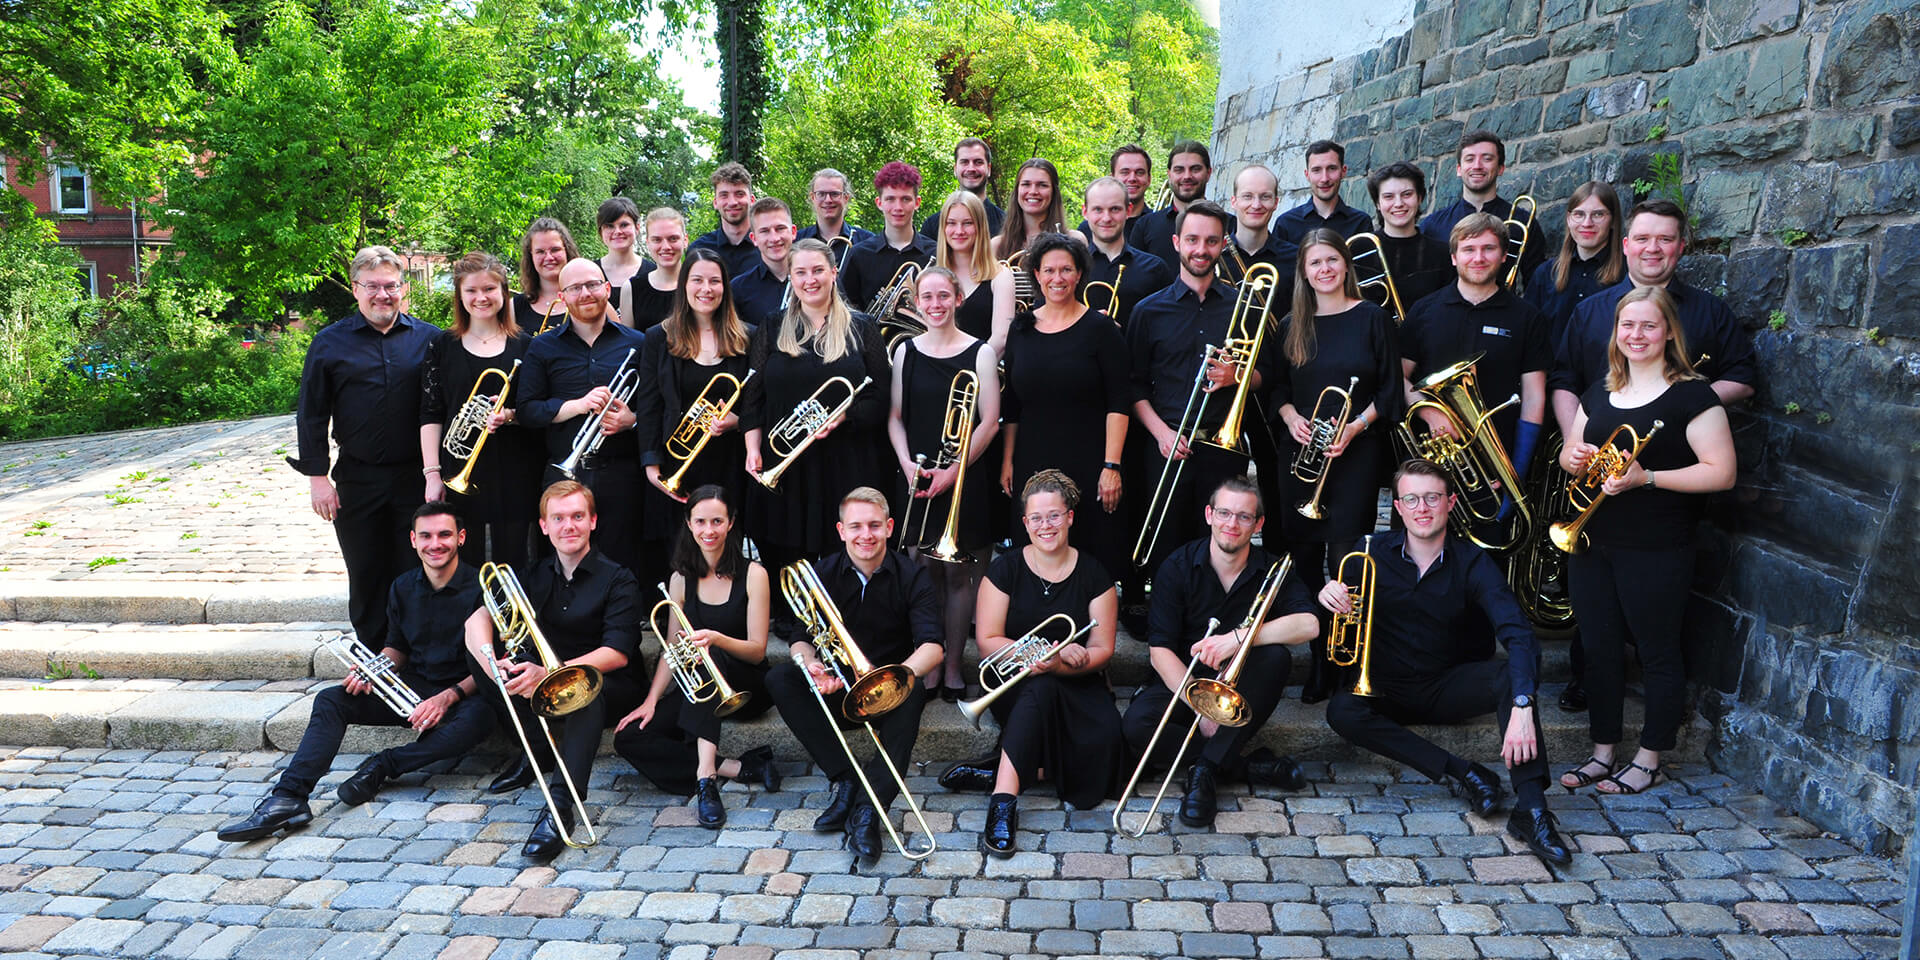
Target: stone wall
point(1796, 123)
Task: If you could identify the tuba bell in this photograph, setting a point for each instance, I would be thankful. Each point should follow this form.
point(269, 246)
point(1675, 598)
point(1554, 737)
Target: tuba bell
point(468, 432)
point(1474, 458)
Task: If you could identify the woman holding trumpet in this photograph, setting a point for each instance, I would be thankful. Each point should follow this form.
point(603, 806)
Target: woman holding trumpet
point(1632, 565)
point(727, 600)
point(1059, 723)
point(476, 360)
point(946, 517)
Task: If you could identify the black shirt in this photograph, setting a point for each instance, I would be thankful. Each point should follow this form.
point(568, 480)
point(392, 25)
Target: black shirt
point(1710, 329)
point(1153, 232)
point(1420, 266)
point(1583, 281)
point(1509, 335)
point(1167, 340)
point(889, 615)
point(1423, 625)
point(1657, 518)
point(1186, 593)
point(560, 367)
point(1439, 226)
point(1145, 274)
point(599, 607)
point(739, 256)
point(873, 262)
point(1346, 221)
point(429, 625)
point(1032, 598)
point(367, 383)
point(1278, 252)
point(930, 227)
point(757, 294)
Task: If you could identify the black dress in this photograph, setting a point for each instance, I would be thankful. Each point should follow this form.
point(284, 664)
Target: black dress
point(1065, 725)
point(501, 502)
point(926, 383)
point(650, 305)
point(1358, 342)
point(674, 383)
point(975, 314)
point(1059, 388)
point(530, 319)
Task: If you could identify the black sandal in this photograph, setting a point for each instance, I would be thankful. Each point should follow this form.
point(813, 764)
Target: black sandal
point(1586, 779)
point(1654, 776)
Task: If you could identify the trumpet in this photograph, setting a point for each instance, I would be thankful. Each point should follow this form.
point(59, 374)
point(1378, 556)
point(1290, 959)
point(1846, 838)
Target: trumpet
point(1311, 463)
point(1113, 294)
point(587, 440)
point(873, 797)
point(1474, 458)
point(566, 689)
point(699, 677)
point(468, 432)
point(378, 671)
point(797, 430)
point(1214, 699)
point(871, 691)
point(1522, 223)
point(1584, 490)
point(1012, 663)
point(956, 446)
point(690, 436)
point(1350, 636)
point(1376, 281)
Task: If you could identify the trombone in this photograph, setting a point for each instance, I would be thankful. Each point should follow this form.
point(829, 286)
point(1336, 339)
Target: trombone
point(1012, 663)
point(690, 436)
point(913, 806)
point(1376, 281)
point(838, 246)
point(1522, 223)
point(956, 446)
point(468, 432)
point(699, 677)
point(797, 430)
point(1474, 458)
point(871, 691)
point(379, 672)
point(1113, 294)
point(1350, 636)
point(587, 440)
point(1311, 463)
point(1584, 490)
point(1232, 265)
point(566, 689)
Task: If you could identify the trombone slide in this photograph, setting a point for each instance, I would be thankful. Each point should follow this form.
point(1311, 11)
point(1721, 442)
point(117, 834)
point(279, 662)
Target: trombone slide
point(873, 797)
point(1146, 756)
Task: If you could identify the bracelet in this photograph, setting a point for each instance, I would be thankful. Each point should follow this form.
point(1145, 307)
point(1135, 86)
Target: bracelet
point(1649, 483)
point(1111, 465)
point(429, 471)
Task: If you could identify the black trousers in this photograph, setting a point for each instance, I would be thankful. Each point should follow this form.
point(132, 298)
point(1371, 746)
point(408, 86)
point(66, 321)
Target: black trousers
point(1623, 596)
point(1186, 518)
point(577, 733)
point(1314, 563)
point(898, 729)
point(616, 484)
point(464, 727)
point(1262, 682)
point(376, 512)
point(665, 751)
point(1459, 694)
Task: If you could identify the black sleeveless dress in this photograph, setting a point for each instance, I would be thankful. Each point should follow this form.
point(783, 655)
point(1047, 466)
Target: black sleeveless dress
point(501, 502)
point(926, 383)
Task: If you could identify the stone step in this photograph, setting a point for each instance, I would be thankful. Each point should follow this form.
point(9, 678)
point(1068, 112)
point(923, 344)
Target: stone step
point(172, 601)
point(1816, 514)
point(1774, 580)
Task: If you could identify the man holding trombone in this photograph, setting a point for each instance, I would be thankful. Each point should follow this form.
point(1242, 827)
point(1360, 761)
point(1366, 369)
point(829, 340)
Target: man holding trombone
point(1430, 599)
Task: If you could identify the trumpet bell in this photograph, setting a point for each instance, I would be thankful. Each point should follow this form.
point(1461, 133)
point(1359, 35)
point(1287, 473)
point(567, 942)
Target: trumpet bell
point(1217, 701)
point(567, 690)
point(732, 704)
point(1566, 536)
point(878, 691)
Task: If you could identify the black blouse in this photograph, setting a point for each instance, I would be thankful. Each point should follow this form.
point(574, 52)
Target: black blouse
point(1357, 342)
point(1032, 599)
point(975, 315)
point(1656, 518)
point(505, 481)
point(650, 305)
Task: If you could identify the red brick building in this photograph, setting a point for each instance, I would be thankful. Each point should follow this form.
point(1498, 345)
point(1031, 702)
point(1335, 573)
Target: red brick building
point(109, 238)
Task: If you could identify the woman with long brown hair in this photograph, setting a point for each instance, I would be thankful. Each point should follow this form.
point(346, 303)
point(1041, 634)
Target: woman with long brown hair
point(1037, 208)
point(546, 247)
point(1590, 257)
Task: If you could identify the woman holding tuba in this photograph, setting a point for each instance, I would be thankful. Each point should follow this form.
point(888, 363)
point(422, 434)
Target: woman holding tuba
point(727, 599)
point(945, 404)
point(461, 412)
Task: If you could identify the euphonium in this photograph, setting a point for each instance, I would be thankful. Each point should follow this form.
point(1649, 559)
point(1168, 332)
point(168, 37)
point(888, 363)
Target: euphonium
point(1246, 332)
point(1012, 663)
point(693, 667)
point(379, 673)
point(1311, 463)
point(690, 436)
point(797, 430)
point(1538, 570)
point(1584, 490)
point(587, 440)
point(1519, 227)
point(893, 308)
point(956, 447)
point(1113, 294)
point(468, 432)
point(1374, 278)
point(1474, 458)
point(1350, 635)
point(871, 691)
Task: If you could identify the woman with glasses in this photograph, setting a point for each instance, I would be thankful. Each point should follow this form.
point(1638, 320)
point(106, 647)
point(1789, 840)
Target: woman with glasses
point(1590, 257)
point(546, 247)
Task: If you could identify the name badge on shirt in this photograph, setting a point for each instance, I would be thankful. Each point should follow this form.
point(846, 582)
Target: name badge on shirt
point(1496, 331)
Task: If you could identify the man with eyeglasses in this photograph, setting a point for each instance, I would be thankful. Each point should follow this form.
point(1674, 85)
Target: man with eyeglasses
point(828, 196)
point(1256, 193)
point(1218, 577)
point(362, 377)
point(566, 380)
point(1326, 169)
point(1431, 661)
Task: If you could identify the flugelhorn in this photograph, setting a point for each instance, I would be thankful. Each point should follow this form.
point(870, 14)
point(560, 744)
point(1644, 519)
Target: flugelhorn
point(378, 671)
point(1607, 462)
point(1012, 663)
point(1519, 227)
point(956, 446)
point(871, 691)
point(1311, 463)
point(1473, 457)
point(1371, 274)
point(873, 797)
point(468, 432)
point(1113, 294)
point(797, 430)
point(694, 669)
point(587, 440)
point(690, 436)
point(1350, 635)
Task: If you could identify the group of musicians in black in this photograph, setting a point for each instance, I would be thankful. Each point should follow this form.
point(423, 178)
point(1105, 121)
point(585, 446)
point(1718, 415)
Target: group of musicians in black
point(729, 416)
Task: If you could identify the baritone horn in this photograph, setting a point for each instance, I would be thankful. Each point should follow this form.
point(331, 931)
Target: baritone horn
point(797, 430)
point(587, 440)
point(693, 666)
point(1584, 490)
point(956, 447)
point(893, 308)
point(690, 436)
point(1519, 228)
point(1012, 663)
point(1311, 463)
point(1473, 457)
point(1371, 274)
point(468, 432)
point(1350, 635)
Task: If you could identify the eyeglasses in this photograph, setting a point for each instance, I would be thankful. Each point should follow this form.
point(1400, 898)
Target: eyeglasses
point(388, 289)
point(1243, 519)
point(830, 194)
point(1582, 216)
point(1412, 500)
point(581, 289)
point(1261, 197)
point(1046, 519)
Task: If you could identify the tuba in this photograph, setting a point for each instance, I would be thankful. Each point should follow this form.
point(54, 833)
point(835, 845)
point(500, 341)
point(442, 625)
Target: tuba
point(1519, 226)
point(1474, 458)
point(871, 691)
point(1538, 570)
point(1311, 463)
point(1350, 636)
point(956, 447)
point(1012, 663)
point(591, 433)
point(699, 677)
point(468, 432)
point(797, 430)
point(1374, 278)
point(379, 673)
point(1584, 490)
point(690, 436)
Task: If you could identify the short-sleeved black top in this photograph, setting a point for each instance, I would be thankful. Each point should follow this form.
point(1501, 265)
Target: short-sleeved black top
point(1656, 518)
point(1031, 599)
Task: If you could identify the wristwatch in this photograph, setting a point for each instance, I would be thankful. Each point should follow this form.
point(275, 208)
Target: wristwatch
point(1523, 701)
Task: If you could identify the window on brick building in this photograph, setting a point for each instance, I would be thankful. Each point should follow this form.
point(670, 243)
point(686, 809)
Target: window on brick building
point(88, 276)
point(72, 193)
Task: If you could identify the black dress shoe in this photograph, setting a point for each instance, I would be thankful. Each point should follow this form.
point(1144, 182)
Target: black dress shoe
point(365, 782)
point(544, 842)
point(706, 801)
point(757, 764)
point(270, 816)
point(515, 777)
point(839, 801)
point(1003, 818)
point(1483, 789)
point(952, 694)
point(1201, 802)
point(1536, 828)
point(863, 832)
point(1281, 771)
point(971, 776)
point(1574, 698)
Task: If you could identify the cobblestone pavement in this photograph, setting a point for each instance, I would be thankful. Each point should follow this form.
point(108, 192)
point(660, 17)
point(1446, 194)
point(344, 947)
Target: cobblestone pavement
point(111, 853)
point(212, 501)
